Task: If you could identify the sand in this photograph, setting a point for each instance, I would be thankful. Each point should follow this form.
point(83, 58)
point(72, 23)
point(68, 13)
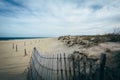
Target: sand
point(13, 64)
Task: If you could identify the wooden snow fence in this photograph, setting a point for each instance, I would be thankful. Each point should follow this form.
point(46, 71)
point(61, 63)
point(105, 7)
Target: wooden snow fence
point(61, 67)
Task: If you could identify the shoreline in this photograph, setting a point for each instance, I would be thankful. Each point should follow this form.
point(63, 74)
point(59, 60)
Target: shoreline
point(21, 38)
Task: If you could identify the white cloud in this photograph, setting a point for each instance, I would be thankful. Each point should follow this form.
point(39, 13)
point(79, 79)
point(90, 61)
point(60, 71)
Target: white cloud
point(54, 18)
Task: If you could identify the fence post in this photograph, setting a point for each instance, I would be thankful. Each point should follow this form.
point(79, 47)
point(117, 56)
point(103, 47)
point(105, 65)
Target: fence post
point(74, 74)
point(79, 76)
point(16, 48)
point(13, 45)
point(84, 66)
point(61, 67)
point(52, 68)
point(102, 65)
point(69, 70)
point(25, 52)
point(65, 66)
point(90, 70)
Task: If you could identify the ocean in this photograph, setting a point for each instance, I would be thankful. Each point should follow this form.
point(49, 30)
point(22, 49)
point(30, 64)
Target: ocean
point(19, 38)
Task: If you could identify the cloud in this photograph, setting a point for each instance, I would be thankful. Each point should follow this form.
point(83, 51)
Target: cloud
point(58, 17)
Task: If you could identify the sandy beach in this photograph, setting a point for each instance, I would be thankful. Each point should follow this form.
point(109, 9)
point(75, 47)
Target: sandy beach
point(13, 64)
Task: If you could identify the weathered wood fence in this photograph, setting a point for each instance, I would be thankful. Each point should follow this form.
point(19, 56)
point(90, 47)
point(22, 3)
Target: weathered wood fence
point(60, 67)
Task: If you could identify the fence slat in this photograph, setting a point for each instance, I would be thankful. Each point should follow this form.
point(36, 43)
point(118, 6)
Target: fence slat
point(38, 71)
point(52, 68)
point(70, 74)
point(102, 65)
point(90, 70)
point(62, 78)
point(31, 77)
point(49, 70)
point(79, 78)
point(33, 71)
point(57, 67)
point(65, 67)
point(74, 73)
point(84, 66)
point(31, 63)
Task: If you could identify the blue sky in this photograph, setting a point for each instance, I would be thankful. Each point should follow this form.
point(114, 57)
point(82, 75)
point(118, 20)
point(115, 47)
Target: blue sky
point(34, 18)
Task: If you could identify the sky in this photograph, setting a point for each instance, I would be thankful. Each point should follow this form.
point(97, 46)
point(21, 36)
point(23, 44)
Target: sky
point(51, 18)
